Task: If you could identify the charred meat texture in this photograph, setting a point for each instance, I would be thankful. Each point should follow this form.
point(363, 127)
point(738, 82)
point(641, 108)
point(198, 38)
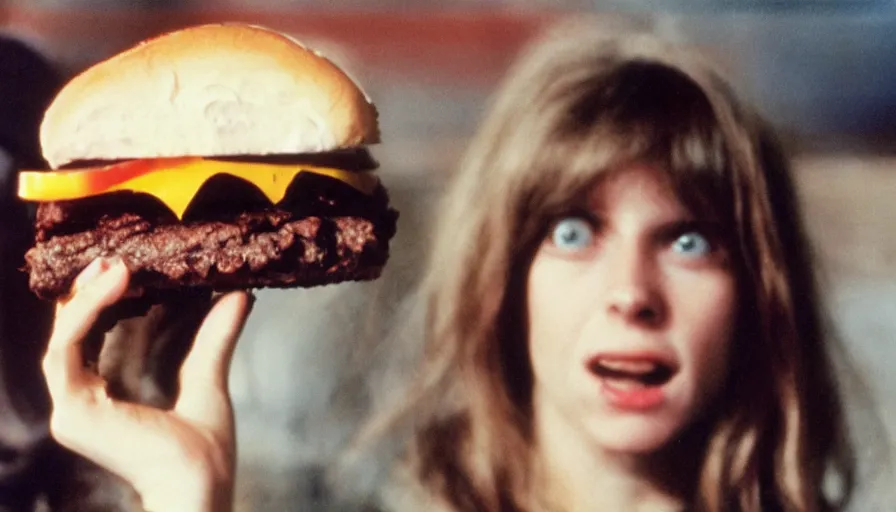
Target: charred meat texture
point(251, 253)
point(323, 232)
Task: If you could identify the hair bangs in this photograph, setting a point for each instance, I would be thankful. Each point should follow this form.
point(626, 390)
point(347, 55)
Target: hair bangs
point(640, 112)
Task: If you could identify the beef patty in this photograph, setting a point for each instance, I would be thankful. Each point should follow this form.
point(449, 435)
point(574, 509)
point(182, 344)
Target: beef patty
point(323, 232)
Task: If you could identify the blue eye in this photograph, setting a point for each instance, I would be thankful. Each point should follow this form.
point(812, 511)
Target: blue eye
point(692, 244)
point(572, 234)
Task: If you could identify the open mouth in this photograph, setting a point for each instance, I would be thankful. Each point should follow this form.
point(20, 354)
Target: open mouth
point(631, 373)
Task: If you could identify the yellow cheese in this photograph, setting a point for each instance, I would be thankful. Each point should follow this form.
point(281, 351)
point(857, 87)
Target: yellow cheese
point(175, 185)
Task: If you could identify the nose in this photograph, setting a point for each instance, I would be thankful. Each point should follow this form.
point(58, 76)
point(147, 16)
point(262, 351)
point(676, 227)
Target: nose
point(633, 292)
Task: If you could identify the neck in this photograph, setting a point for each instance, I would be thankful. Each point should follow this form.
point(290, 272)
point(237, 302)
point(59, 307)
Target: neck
point(579, 476)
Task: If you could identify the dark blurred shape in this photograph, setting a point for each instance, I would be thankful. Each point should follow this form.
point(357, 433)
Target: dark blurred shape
point(27, 84)
point(33, 468)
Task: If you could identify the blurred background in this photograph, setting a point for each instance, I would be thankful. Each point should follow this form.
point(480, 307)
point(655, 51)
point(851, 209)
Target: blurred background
point(824, 71)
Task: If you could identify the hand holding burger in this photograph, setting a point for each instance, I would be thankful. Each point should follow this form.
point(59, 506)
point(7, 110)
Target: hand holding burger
point(180, 459)
point(218, 157)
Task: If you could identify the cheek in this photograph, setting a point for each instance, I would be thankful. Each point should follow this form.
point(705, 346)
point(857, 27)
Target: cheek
point(540, 292)
point(550, 307)
point(708, 314)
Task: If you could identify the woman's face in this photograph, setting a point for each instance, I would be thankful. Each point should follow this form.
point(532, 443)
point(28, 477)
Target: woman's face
point(631, 307)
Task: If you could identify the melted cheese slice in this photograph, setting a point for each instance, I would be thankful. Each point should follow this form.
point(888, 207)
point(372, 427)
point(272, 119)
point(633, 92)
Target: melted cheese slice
point(175, 181)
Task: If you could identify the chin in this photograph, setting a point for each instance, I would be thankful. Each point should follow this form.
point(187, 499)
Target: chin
point(634, 436)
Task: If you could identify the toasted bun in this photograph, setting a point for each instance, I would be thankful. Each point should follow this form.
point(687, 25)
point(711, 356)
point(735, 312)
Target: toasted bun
point(210, 90)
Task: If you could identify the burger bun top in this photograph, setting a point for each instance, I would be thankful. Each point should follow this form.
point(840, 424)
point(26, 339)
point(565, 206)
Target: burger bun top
point(210, 90)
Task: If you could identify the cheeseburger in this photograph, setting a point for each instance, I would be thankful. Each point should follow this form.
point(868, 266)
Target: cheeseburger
point(216, 157)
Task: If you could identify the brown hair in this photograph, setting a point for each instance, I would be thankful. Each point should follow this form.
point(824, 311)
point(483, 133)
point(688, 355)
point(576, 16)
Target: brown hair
point(575, 105)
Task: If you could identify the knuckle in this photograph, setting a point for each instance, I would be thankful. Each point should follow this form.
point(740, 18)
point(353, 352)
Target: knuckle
point(70, 417)
point(53, 363)
point(64, 424)
point(85, 299)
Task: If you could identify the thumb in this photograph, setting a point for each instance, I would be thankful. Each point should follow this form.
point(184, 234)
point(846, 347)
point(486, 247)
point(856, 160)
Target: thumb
point(204, 398)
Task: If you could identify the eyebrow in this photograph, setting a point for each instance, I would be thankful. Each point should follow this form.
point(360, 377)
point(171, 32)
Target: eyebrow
point(668, 230)
point(685, 223)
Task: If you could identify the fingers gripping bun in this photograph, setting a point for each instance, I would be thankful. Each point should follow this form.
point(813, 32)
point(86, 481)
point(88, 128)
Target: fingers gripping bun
point(212, 90)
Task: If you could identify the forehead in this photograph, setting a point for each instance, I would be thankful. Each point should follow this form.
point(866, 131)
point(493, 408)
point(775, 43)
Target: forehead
point(640, 186)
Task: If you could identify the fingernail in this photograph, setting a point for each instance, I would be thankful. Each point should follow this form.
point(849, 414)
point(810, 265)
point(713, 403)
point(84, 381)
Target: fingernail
point(115, 262)
point(114, 267)
point(95, 268)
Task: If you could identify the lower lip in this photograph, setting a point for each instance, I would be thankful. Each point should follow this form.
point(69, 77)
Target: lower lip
point(637, 399)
